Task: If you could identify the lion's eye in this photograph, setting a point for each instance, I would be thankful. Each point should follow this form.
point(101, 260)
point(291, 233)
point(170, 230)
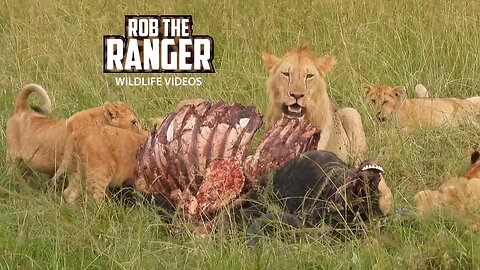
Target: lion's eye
point(373, 100)
point(309, 76)
point(385, 102)
point(285, 74)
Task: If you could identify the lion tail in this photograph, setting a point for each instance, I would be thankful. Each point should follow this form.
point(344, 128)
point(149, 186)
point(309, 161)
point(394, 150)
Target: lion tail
point(21, 104)
point(421, 91)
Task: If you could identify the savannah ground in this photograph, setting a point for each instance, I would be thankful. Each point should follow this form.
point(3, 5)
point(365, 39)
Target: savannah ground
point(58, 44)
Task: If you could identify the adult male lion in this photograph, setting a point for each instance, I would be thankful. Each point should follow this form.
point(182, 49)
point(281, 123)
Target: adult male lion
point(296, 88)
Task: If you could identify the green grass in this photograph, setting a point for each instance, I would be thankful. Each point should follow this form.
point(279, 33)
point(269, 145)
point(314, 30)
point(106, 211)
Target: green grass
point(58, 44)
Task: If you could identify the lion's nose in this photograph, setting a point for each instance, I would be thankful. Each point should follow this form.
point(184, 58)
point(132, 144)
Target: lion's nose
point(296, 95)
point(380, 117)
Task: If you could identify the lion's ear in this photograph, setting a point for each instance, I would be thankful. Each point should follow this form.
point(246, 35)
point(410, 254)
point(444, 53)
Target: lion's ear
point(367, 88)
point(474, 157)
point(325, 63)
point(110, 111)
point(270, 60)
point(399, 91)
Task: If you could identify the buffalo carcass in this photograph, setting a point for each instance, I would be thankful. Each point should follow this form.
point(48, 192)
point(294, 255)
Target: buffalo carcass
point(196, 158)
point(318, 188)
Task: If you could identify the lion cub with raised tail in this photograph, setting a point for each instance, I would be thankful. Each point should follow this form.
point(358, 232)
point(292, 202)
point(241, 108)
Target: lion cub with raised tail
point(391, 103)
point(38, 142)
point(101, 156)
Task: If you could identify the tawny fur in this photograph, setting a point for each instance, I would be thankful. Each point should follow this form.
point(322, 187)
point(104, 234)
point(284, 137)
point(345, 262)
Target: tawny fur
point(391, 103)
point(102, 156)
point(460, 195)
point(303, 74)
point(38, 142)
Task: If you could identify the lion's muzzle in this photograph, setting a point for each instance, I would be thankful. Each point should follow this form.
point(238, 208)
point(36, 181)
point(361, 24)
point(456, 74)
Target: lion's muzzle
point(294, 110)
point(381, 117)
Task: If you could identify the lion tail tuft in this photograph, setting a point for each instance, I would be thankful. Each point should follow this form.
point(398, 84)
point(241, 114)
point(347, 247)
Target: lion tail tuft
point(421, 91)
point(21, 104)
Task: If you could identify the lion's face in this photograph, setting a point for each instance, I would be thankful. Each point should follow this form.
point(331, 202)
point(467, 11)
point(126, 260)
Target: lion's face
point(385, 100)
point(296, 81)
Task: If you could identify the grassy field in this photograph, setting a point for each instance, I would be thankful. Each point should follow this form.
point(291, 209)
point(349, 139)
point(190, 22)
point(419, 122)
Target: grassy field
point(58, 44)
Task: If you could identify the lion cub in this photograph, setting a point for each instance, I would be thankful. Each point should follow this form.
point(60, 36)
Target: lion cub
point(391, 103)
point(102, 156)
point(38, 142)
point(458, 194)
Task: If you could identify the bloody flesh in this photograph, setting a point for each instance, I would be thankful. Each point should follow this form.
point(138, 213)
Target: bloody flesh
point(197, 159)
